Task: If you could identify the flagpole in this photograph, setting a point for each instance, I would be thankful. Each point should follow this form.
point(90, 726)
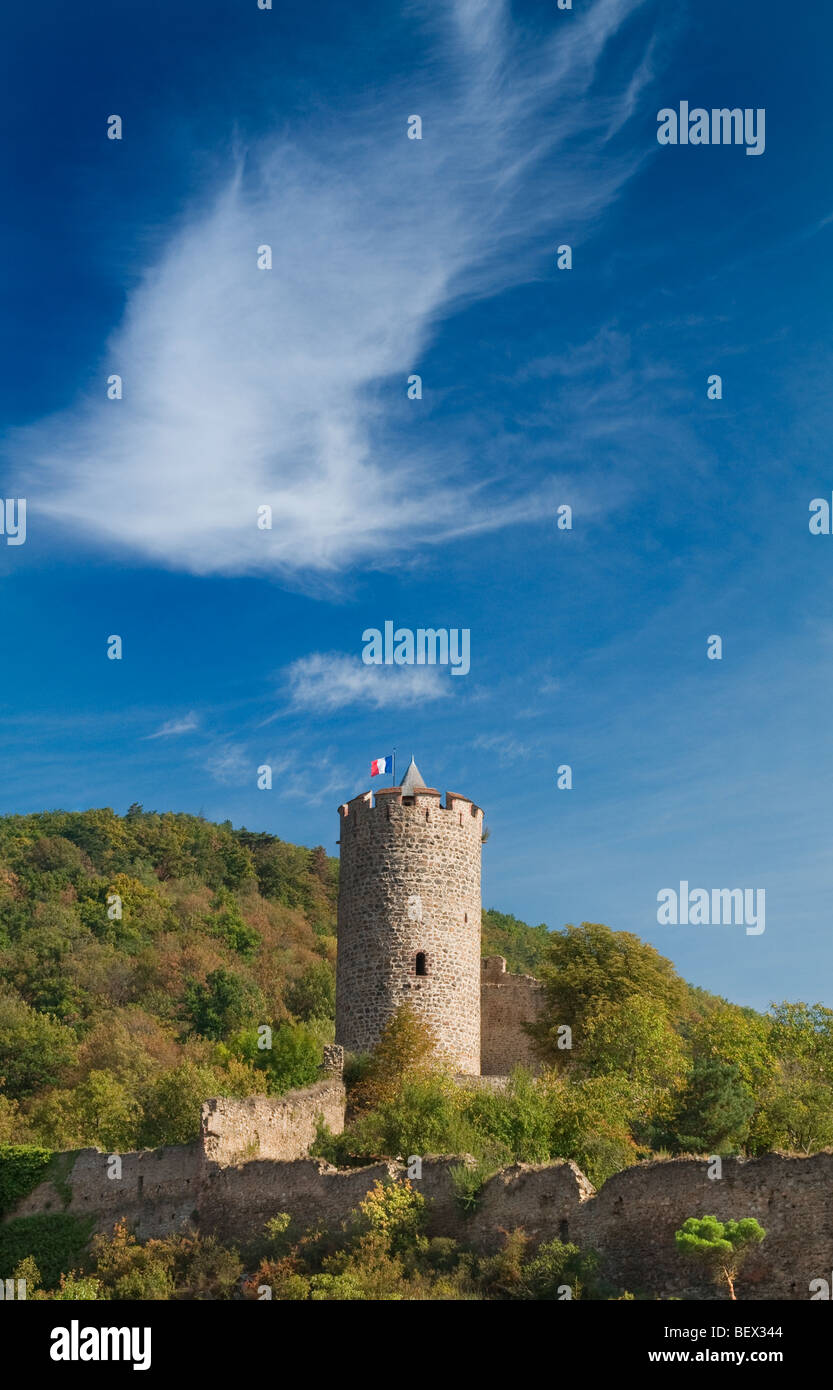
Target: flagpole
point(393, 780)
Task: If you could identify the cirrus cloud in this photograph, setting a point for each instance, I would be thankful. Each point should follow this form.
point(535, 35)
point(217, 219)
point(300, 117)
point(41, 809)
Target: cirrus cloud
point(326, 681)
point(246, 387)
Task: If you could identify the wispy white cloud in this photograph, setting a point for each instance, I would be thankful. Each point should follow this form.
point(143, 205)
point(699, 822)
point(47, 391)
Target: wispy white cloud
point(326, 681)
point(230, 764)
point(245, 387)
point(173, 727)
point(506, 749)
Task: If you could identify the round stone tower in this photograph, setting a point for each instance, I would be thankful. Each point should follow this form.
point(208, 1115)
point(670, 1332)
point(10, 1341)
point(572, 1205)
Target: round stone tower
point(409, 917)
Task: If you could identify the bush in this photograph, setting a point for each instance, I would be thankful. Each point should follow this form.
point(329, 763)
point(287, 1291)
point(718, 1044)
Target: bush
point(518, 1120)
point(22, 1167)
point(467, 1181)
point(128, 1270)
point(393, 1212)
point(75, 1288)
point(174, 1102)
point(555, 1267)
point(35, 1049)
point(406, 1051)
point(56, 1242)
point(294, 1059)
point(313, 994)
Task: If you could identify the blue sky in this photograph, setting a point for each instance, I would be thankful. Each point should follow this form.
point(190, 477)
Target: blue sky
point(588, 387)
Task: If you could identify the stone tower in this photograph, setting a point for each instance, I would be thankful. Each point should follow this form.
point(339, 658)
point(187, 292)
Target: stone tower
point(409, 917)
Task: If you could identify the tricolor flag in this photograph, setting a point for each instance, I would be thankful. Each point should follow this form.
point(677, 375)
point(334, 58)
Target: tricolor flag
point(380, 765)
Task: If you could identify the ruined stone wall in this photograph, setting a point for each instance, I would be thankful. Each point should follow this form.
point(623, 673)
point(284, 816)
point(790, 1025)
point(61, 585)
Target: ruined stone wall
point(238, 1202)
point(156, 1191)
point(630, 1222)
point(506, 1003)
point(633, 1219)
point(282, 1127)
point(409, 886)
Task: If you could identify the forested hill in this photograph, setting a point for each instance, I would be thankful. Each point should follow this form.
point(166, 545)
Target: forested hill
point(141, 956)
point(524, 947)
point(138, 955)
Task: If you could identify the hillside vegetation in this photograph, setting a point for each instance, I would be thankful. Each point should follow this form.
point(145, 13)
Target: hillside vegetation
point(139, 954)
point(146, 959)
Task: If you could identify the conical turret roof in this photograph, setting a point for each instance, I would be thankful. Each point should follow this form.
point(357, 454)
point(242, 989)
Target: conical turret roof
point(412, 780)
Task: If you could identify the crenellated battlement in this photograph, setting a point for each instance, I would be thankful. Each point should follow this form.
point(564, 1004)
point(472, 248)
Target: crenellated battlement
point(386, 799)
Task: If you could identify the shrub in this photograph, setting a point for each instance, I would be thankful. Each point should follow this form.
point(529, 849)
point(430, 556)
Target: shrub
point(313, 994)
point(721, 1246)
point(76, 1288)
point(128, 1270)
point(555, 1267)
point(518, 1120)
point(294, 1059)
point(394, 1213)
point(56, 1241)
point(286, 1284)
point(424, 1115)
point(406, 1051)
point(467, 1181)
point(173, 1104)
point(22, 1167)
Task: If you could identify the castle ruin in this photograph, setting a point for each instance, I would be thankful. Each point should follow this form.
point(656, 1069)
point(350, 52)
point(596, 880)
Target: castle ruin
point(409, 929)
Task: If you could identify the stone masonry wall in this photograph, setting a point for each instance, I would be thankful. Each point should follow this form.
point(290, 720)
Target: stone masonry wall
point(156, 1192)
point(410, 885)
point(630, 1221)
point(283, 1127)
point(506, 1003)
point(633, 1218)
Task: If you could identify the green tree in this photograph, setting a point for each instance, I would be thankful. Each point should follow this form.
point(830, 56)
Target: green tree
point(741, 1037)
point(721, 1246)
point(590, 968)
point(173, 1104)
point(796, 1109)
point(228, 923)
point(715, 1108)
point(796, 1112)
point(224, 1003)
point(635, 1040)
point(406, 1050)
point(35, 1049)
point(313, 993)
point(282, 871)
point(99, 1112)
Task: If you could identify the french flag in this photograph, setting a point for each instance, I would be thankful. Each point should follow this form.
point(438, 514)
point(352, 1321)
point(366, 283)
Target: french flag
point(380, 765)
